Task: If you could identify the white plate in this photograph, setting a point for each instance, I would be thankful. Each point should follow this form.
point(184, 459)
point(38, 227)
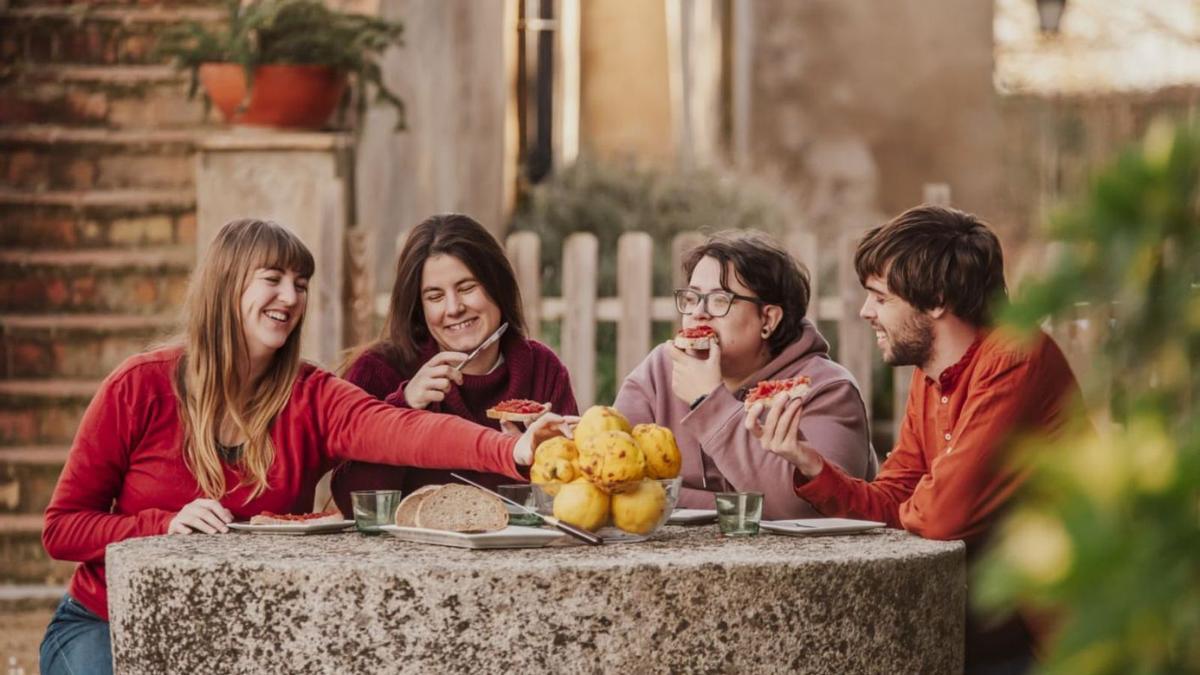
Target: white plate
point(804, 527)
point(513, 536)
point(293, 528)
point(692, 516)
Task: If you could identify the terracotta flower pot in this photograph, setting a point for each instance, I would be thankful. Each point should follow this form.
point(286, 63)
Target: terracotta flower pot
point(290, 96)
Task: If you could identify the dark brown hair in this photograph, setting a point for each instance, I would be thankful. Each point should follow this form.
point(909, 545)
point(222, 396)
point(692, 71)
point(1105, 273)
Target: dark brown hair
point(460, 236)
point(933, 256)
point(774, 276)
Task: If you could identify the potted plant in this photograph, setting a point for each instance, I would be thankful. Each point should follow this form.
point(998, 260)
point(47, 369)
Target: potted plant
point(285, 63)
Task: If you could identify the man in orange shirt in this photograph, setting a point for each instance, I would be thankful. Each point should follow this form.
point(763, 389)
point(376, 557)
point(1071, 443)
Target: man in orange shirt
point(932, 275)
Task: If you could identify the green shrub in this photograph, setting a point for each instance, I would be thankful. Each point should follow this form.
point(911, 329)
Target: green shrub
point(609, 199)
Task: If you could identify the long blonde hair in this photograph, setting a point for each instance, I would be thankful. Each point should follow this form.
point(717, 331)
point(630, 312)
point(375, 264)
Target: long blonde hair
point(211, 382)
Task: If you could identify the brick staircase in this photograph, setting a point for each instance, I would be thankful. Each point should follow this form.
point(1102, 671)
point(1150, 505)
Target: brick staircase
point(97, 237)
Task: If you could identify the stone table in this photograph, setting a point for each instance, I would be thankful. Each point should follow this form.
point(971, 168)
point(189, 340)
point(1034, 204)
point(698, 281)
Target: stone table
point(689, 600)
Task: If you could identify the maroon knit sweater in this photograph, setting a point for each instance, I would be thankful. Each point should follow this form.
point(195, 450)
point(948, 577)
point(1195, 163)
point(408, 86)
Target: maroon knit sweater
point(530, 370)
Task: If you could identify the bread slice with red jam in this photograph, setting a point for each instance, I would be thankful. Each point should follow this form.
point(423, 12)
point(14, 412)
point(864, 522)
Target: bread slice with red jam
point(765, 392)
point(518, 410)
point(696, 337)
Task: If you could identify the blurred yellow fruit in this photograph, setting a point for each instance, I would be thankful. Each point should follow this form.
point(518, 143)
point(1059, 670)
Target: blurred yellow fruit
point(555, 461)
point(612, 461)
point(581, 504)
point(1038, 545)
point(658, 445)
point(596, 420)
point(639, 510)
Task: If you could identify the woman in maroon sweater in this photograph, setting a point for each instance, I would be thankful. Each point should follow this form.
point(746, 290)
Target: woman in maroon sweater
point(226, 425)
point(453, 288)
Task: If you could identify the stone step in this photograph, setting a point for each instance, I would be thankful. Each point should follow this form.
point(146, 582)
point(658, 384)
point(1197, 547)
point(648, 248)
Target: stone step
point(75, 346)
point(51, 157)
point(42, 412)
point(96, 218)
point(126, 281)
point(22, 558)
point(140, 97)
point(82, 33)
point(25, 611)
point(28, 475)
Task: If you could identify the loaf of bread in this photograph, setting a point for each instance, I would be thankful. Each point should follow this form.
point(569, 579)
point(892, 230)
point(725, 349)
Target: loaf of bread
point(406, 513)
point(453, 507)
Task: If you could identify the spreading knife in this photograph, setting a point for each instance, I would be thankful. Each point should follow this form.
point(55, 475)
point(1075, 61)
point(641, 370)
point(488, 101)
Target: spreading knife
point(484, 345)
point(577, 532)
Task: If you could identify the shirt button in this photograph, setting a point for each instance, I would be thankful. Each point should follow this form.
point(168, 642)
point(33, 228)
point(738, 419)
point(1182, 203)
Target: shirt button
point(945, 399)
point(947, 437)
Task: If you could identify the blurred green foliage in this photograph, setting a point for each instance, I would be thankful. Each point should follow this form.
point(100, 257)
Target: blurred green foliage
point(611, 198)
point(1107, 538)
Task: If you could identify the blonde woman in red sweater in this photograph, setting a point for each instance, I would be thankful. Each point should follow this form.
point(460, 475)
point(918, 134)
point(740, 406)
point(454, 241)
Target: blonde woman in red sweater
point(224, 425)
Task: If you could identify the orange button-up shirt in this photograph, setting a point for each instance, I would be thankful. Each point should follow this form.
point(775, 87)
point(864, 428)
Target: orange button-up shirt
point(947, 477)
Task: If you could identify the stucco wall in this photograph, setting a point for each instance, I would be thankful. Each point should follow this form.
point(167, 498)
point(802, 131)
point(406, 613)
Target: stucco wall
point(625, 98)
point(854, 102)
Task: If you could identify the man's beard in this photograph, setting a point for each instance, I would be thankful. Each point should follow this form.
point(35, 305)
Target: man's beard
point(912, 343)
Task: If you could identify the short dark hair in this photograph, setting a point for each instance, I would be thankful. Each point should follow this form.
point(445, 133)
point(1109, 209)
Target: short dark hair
point(464, 238)
point(934, 256)
point(772, 274)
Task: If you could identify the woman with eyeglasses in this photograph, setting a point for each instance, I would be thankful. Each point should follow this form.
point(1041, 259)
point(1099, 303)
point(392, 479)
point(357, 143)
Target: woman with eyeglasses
point(754, 296)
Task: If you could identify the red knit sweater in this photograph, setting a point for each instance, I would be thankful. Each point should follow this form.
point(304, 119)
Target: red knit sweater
point(530, 370)
point(125, 476)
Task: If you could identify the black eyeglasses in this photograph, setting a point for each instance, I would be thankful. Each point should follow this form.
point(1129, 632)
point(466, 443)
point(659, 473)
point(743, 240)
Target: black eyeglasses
point(717, 303)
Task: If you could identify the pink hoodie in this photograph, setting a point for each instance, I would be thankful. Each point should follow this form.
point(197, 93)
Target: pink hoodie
point(719, 454)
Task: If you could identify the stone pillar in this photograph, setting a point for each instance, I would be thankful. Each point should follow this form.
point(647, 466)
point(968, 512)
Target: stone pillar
point(301, 180)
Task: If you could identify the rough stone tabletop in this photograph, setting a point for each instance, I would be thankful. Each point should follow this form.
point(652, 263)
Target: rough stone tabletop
point(688, 600)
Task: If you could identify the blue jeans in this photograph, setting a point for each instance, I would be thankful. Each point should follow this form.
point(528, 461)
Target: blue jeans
point(76, 642)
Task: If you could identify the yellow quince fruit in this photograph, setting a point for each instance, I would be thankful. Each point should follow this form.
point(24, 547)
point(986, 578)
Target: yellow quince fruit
point(639, 510)
point(555, 461)
point(596, 420)
point(581, 504)
point(612, 461)
point(662, 453)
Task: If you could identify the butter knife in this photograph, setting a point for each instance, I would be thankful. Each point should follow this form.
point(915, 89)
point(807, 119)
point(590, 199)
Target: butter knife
point(486, 343)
